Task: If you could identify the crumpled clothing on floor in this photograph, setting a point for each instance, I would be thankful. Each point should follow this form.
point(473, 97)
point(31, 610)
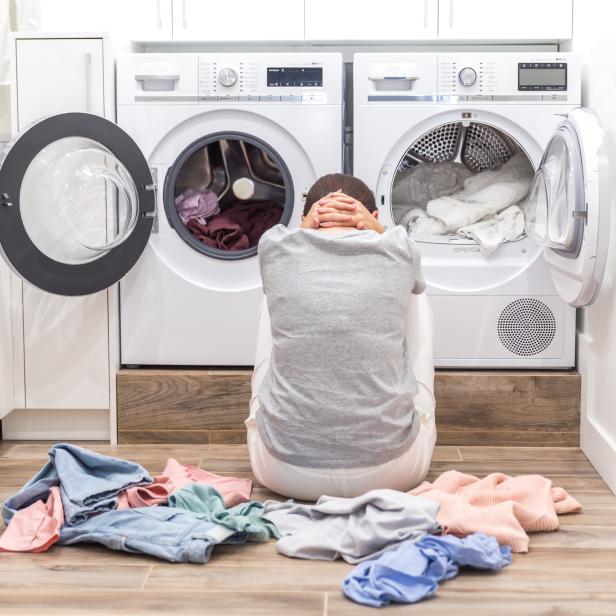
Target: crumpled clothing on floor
point(89, 483)
point(412, 570)
point(36, 527)
point(164, 532)
point(175, 476)
point(206, 503)
point(498, 505)
point(353, 529)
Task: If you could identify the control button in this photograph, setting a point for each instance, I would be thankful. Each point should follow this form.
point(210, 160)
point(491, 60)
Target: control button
point(452, 99)
point(554, 97)
point(227, 77)
point(269, 99)
point(312, 98)
point(244, 99)
point(467, 76)
point(208, 98)
point(479, 97)
point(222, 99)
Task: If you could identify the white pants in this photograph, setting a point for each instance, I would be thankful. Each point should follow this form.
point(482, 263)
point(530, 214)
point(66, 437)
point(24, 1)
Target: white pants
point(402, 473)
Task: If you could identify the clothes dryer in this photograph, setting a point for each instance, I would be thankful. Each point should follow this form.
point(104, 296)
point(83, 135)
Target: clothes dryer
point(208, 152)
point(414, 111)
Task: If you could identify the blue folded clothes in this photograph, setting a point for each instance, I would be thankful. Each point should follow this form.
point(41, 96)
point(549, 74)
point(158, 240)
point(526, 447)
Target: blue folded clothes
point(412, 570)
point(89, 483)
point(165, 532)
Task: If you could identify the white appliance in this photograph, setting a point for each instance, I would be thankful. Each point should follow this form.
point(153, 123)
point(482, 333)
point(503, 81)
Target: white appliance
point(85, 202)
point(516, 307)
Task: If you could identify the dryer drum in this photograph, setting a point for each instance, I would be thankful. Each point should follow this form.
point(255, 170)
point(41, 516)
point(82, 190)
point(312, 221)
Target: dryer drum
point(224, 191)
point(478, 146)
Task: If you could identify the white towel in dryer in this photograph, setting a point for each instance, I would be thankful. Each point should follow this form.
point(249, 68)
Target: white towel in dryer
point(484, 194)
point(490, 233)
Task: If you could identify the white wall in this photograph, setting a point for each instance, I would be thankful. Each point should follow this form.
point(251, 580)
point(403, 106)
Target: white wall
point(593, 38)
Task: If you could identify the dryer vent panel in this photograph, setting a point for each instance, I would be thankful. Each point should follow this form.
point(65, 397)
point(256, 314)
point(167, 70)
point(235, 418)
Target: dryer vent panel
point(526, 327)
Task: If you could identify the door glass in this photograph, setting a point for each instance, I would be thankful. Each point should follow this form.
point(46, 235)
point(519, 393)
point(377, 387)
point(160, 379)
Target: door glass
point(77, 201)
point(554, 196)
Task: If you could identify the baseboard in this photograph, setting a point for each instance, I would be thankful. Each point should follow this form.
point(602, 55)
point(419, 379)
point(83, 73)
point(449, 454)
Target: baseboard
point(481, 407)
point(56, 425)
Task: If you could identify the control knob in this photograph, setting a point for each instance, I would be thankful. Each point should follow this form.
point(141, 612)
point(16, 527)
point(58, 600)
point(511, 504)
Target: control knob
point(227, 77)
point(467, 76)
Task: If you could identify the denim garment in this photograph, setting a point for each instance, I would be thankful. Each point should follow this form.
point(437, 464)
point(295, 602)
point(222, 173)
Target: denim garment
point(205, 502)
point(171, 534)
point(412, 570)
point(89, 482)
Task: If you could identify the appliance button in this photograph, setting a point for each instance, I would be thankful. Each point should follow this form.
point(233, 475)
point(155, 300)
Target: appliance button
point(479, 97)
point(554, 97)
point(467, 76)
point(227, 77)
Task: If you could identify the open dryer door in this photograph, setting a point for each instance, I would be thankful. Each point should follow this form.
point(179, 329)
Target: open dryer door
point(567, 209)
point(76, 204)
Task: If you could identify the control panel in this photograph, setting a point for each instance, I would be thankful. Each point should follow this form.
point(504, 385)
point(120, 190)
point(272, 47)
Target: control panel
point(289, 78)
point(450, 78)
point(314, 78)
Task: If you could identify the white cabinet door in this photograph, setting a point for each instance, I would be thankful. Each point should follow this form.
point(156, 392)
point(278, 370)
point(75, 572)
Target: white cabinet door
point(345, 20)
point(505, 19)
point(132, 20)
point(238, 20)
point(6, 343)
point(66, 354)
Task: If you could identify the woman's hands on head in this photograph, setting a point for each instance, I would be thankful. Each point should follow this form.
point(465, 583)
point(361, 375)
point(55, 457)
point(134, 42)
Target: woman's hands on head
point(339, 210)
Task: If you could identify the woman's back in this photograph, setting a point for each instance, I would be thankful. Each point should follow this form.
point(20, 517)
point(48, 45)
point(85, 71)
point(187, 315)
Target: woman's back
point(339, 390)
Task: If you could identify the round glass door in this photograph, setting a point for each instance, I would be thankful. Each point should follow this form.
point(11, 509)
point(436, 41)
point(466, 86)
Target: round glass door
point(76, 204)
point(557, 195)
point(78, 201)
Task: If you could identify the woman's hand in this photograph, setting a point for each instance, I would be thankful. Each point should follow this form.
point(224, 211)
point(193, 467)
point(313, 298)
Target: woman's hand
point(340, 210)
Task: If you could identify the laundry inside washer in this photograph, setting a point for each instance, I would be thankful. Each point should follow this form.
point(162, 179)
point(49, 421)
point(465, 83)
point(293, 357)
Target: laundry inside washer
point(466, 180)
point(227, 192)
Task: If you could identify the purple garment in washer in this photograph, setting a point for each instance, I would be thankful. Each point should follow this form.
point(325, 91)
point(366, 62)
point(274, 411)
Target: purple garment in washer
point(194, 204)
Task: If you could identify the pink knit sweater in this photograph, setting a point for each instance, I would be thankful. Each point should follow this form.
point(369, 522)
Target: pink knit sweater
point(498, 505)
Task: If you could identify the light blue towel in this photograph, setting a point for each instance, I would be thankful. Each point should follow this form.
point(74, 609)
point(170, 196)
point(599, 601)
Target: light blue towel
point(89, 482)
point(411, 570)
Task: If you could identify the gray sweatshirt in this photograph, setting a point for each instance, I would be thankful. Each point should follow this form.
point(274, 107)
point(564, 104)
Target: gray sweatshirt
point(339, 389)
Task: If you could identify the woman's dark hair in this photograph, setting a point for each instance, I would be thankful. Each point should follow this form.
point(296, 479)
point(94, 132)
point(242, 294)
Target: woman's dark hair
point(342, 182)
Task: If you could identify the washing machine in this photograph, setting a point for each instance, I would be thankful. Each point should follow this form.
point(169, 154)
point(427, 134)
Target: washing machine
point(515, 308)
point(208, 152)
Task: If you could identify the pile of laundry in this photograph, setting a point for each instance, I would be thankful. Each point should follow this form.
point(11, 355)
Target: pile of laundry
point(446, 197)
point(402, 544)
point(238, 227)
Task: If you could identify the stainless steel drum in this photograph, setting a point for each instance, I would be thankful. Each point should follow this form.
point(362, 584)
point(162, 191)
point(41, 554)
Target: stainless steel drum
point(478, 146)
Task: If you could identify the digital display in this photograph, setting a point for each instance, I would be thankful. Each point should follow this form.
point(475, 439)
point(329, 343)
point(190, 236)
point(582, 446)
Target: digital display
point(294, 76)
point(546, 76)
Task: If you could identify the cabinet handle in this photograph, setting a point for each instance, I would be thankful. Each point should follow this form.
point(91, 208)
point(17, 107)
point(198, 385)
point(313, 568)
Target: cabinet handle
point(87, 74)
point(451, 19)
point(159, 20)
point(184, 22)
point(426, 2)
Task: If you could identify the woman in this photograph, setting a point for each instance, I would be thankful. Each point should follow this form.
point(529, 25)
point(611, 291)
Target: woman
point(336, 408)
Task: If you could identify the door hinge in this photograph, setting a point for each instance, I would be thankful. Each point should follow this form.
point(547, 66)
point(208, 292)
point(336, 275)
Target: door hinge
point(153, 187)
point(583, 214)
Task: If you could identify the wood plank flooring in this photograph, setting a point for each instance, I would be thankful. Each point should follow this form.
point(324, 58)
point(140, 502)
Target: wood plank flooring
point(568, 572)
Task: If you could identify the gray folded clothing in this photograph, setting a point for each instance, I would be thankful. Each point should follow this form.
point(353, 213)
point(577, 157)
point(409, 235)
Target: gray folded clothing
point(354, 529)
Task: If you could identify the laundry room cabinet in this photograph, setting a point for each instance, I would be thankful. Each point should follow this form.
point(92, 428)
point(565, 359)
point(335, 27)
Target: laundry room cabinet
point(238, 20)
point(141, 20)
point(359, 21)
point(505, 20)
point(59, 347)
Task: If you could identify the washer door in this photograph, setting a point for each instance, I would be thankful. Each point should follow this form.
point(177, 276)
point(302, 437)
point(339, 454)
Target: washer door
point(76, 204)
point(567, 208)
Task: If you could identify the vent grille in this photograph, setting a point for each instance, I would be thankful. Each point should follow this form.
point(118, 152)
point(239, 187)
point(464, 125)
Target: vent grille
point(526, 327)
point(484, 148)
point(437, 145)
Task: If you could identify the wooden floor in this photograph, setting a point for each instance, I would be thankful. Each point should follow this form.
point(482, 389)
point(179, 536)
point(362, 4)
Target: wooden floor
point(571, 571)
